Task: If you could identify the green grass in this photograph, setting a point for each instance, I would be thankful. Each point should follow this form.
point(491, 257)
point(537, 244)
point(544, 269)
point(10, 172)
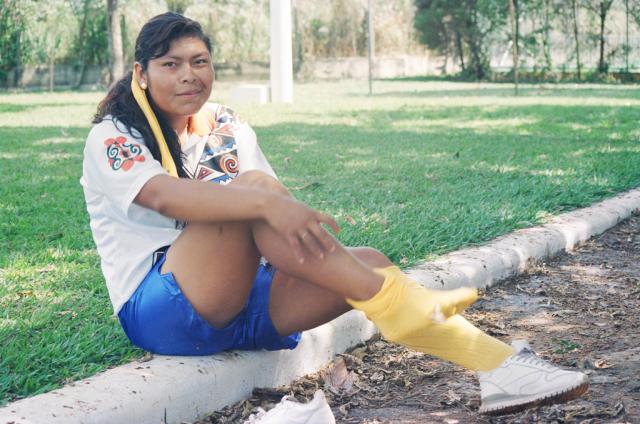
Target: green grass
point(416, 170)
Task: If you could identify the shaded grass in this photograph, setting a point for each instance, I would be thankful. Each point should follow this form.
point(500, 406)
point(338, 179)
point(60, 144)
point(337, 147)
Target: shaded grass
point(417, 170)
point(55, 318)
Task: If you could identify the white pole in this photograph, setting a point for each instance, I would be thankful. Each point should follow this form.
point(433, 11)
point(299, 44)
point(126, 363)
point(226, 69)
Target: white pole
point(281, 69)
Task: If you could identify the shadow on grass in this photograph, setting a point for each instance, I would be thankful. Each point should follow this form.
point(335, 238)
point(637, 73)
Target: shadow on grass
point(523, 92)
point(9, 107)
point(20, 107)
point(494, 121)
point(504, 90)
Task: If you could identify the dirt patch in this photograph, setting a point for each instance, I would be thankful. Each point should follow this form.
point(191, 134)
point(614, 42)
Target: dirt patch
point(578, 310)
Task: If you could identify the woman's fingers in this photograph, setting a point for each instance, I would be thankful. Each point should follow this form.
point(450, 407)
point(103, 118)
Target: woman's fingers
point(310, 241)
point(305, 233)
point(296, 248)
point(325, 239)
point(329, 221)
point(316, 239)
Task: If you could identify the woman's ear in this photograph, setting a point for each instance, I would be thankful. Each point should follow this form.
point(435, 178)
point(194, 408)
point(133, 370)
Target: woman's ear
point(139, 75)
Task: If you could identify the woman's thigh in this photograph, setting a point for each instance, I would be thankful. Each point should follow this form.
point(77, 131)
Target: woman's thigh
point(214, 266)
point(215, 263)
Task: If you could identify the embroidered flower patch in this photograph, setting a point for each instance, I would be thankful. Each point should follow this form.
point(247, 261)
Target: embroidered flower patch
point(122, 154)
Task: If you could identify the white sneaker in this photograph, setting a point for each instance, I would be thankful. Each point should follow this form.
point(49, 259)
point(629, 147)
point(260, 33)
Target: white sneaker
point(523, 380)
point(289, 411)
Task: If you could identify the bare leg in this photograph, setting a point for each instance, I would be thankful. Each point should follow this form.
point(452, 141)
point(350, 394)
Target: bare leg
point(297, 305)
point(331, 272)
point(215, 263)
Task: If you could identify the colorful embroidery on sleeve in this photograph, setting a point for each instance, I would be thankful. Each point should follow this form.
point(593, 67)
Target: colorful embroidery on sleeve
point(122, 154)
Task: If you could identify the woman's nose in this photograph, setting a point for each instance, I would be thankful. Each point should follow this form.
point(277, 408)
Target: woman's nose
point(188, 75)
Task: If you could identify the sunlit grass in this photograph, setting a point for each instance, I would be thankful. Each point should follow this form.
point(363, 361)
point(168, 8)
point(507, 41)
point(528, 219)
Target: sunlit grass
point(416, 170)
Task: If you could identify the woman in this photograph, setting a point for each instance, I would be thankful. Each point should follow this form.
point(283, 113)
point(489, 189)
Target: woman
point(184, 207)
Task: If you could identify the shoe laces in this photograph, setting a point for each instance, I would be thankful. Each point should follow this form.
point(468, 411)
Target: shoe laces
point(528, 356)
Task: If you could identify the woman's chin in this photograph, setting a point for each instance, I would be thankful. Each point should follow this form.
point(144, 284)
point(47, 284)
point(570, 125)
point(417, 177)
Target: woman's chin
point(191, 108)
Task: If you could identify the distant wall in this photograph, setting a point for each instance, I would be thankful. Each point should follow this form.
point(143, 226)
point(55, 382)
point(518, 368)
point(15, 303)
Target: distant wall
point(358, 67)
point(64, 75)
point(334, 68)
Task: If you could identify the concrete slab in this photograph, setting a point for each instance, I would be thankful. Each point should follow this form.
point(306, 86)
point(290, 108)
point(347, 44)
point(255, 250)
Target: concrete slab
point(249, 93)
point(177, 389)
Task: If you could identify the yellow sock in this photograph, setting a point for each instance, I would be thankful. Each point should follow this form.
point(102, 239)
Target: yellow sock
point(403, 306)
point(407, 313)
point(459, 341)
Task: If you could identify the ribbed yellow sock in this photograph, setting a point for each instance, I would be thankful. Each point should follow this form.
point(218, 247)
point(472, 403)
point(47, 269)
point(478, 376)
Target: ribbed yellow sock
point(403, 306)
point(407, 313)
point(459, 341)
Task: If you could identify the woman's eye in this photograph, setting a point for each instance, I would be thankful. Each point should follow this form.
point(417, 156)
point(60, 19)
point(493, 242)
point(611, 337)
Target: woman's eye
point(169, 64)
point(202, 61)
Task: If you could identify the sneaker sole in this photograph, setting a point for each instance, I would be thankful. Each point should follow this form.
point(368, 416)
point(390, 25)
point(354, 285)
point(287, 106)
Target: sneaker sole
point(505, 408)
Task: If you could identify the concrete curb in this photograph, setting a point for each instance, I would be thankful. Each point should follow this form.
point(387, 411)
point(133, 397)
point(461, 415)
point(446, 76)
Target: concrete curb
point(176, 389)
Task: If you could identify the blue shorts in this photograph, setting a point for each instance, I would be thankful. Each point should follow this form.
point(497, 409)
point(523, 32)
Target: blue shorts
point(160, 319)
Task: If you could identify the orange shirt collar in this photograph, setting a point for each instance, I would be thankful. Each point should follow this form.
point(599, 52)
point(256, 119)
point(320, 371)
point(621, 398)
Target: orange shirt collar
point(202, 123)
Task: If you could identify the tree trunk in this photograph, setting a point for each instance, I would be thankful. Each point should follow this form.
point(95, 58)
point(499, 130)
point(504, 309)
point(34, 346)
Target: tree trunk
point(17, 71)
point(445, 62)
point(81, 37)
point(626, 42)
point(447, 50)
point(297, 38)
point(116, 62)
point(354, 40)
point(546, 39)
point(603, 14)
point(477, 59)
point(514, 38)
point(516, 16)
point(574, 14)
point(460, 50)
point(605, 5)
point(475, 45)
point(52, 71)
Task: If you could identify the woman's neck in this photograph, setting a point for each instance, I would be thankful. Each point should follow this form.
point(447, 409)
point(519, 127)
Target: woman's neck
point(181, 127)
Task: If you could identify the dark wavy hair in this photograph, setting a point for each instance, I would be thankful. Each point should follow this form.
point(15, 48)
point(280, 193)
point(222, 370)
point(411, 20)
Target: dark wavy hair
point(154, 40)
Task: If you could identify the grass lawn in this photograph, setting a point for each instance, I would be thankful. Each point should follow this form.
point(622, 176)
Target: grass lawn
point(416, 170)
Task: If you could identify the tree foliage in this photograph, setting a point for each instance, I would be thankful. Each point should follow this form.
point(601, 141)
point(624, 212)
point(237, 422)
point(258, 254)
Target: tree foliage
point(12, 28)
point(465, 27)
point(90, 43)
point(471, 35)
point(65, 31)
point(549, 34)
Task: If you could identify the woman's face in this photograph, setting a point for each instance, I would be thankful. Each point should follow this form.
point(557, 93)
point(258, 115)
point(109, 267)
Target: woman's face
point(180, 81)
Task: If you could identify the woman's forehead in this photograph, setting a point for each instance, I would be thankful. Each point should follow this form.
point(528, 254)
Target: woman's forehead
point(186, 47)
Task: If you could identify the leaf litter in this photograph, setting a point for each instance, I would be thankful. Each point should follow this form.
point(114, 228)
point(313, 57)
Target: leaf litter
point(579, 310)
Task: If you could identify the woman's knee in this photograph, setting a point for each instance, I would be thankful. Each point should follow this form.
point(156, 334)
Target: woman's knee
point(259, 180)
point(370, 256)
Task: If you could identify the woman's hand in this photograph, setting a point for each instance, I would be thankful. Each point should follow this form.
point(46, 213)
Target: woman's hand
point(301, 226)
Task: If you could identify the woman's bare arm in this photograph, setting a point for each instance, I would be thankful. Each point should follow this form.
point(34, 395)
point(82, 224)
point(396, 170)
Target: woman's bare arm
point(193, 200)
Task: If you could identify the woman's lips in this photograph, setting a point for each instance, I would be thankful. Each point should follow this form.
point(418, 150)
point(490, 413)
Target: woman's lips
point(190, 93)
